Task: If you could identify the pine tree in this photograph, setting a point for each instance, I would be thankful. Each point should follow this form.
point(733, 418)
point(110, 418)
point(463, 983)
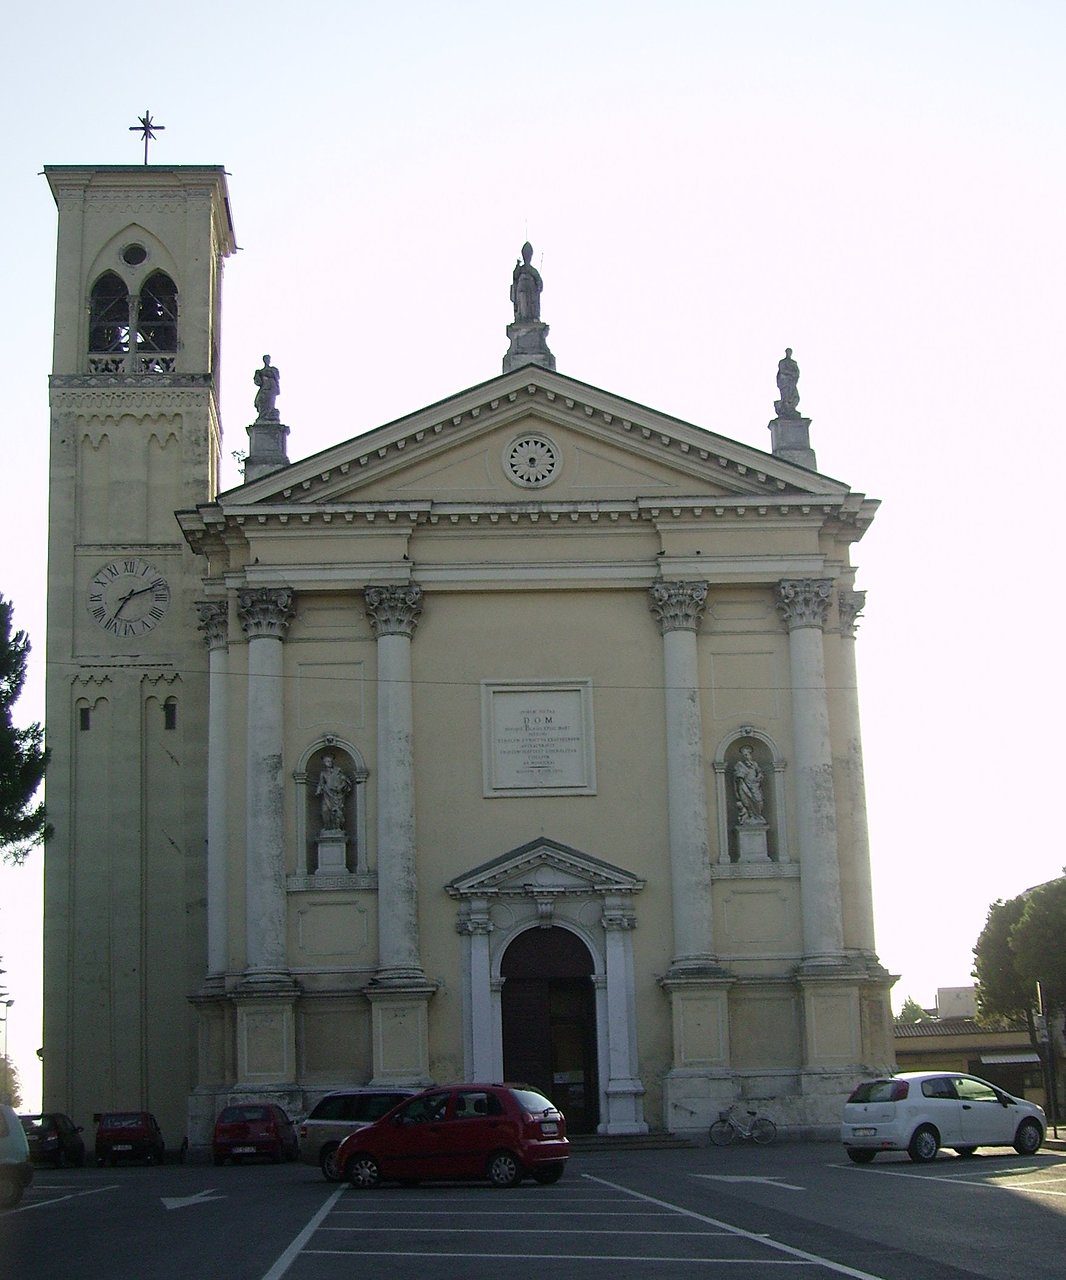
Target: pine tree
point(23, 755)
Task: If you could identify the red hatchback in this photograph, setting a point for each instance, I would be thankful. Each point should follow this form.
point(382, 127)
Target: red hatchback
point(254, 1129)
point(501, 1132)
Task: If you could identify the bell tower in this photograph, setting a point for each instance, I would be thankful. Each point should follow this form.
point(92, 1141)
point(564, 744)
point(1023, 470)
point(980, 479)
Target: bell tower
point(135, 436)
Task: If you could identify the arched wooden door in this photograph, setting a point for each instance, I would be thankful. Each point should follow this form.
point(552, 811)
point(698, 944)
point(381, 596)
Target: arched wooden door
point(549, 1021)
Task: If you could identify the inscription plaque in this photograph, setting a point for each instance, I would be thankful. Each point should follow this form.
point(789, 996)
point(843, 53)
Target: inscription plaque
point(537, 738)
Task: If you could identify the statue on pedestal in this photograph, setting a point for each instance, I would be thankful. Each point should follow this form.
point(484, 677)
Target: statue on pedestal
point(333, 787)
point(747, 788)
point(268, 380)
point(526, 286)
point(787, 386)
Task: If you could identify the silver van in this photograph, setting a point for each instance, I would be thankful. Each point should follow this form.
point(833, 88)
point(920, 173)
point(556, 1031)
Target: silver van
point(16, 1172)
point(336, 1116)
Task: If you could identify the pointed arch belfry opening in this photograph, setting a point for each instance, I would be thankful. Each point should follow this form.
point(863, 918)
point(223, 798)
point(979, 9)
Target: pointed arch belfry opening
point(555, 924)
point(548, 1013)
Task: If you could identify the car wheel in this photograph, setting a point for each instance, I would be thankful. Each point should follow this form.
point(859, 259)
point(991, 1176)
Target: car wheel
point(10, 1191)
point(861, 1155)
point(328, 1164)
point(549, 1174)
point(219, 1160)
point(362, 1172)
point(275, 1155)
point(504, 1169)
point(79, 1160)
point(60, 1162)
point(1028, 1138)
point(924, 1144)
point(183, 1150)
point(965, 1152)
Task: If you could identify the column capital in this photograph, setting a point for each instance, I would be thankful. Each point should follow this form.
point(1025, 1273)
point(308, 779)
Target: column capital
point(266, 611)
point(394, 610)
point(804, 602)
point(214, 622)
point(678, 606)
point(850, 605)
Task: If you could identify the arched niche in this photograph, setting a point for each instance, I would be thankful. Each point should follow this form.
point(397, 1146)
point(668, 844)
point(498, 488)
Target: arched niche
point(745, 835)
point(331, 808)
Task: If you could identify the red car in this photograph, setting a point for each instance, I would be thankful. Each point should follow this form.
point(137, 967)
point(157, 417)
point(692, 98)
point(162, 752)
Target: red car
point(128, 1135)
point(254, 1129)
point(501, 1132)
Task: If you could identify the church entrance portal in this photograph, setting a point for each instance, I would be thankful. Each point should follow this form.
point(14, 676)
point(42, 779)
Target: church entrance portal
point(549, 1021)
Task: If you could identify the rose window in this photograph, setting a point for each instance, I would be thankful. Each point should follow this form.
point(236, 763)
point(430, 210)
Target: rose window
point(532, 460)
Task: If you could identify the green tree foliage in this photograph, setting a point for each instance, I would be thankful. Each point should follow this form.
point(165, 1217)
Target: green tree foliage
point(912, 1011)
point(23, 756)
point(1003, 994)
point(10, 1088)
point(1037, 942)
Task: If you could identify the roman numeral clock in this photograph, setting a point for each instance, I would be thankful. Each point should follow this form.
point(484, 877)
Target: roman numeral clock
point(128, 597)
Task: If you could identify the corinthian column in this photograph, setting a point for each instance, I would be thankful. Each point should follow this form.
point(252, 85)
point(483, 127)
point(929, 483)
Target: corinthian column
point(850, 605)
point(678, 607)
point(214, 623)
point(394, 612)
point(804, 603)
point(265, 614)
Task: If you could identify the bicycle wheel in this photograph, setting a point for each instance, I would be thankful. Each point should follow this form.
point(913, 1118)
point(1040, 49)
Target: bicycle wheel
point(763, 1130)
point(722, 1133)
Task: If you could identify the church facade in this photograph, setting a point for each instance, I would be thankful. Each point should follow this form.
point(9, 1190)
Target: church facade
point(517, 738)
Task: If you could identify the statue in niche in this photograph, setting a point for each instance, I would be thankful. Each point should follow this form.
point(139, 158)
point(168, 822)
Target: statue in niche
point(333, 787)
point(526, 286)
point(268, 380)
point(788, 387)
point(747, 788)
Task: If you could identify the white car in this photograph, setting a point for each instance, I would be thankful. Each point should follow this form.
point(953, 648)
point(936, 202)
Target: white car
point(921, 1111)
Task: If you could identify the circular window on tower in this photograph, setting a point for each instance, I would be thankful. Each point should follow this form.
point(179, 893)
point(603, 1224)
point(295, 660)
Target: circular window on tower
point(532, 460)
point(134, 254)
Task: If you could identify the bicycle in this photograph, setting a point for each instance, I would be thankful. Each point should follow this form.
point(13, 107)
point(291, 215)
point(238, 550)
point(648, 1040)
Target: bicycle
point(727, 1128)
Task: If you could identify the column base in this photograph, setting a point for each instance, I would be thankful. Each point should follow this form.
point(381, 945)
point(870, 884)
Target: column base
point(625, 1108)
point(399, 1014)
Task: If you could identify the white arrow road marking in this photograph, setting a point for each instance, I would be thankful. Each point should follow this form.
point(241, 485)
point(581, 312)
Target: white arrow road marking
point(183, 1202)
point(770, 1182)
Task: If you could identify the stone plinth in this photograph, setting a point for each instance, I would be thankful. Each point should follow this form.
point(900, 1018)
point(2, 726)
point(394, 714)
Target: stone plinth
point(751, 843)
point(332, 851)
point(791, 439)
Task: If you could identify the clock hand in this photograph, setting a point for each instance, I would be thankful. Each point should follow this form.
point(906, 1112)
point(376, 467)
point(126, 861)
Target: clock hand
point(128, 597)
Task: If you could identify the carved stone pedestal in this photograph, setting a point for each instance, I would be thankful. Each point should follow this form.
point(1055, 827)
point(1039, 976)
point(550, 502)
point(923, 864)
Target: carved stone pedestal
point(399, 1012)
point(332, 851)
point(751, 843)
point(700, 1081)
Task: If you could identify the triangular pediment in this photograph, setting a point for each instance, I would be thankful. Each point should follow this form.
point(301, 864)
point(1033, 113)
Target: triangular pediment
point(606, 448)
point(543, 866)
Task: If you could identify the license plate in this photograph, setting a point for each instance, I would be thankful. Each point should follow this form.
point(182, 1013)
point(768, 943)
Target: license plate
point(244, 1151)
point(122, 1146)
point(863, 1133)
point(549, 1128)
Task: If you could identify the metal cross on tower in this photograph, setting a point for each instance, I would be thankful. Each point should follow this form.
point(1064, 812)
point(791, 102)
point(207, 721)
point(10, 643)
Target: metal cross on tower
point(147, 128)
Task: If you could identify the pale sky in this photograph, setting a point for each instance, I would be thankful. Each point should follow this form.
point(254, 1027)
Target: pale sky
point(880, 187)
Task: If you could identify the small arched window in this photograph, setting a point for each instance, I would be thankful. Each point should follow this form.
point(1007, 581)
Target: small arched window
point(157, 318)
point(133, 333)
point(109, 318)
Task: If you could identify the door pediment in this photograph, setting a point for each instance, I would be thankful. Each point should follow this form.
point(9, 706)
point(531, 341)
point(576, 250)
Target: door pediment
point(543, 867)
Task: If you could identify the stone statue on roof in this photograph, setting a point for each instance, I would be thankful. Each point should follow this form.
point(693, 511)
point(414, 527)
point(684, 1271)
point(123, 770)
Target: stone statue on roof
point(268, 380)
point(526, 286)
point(788, 387)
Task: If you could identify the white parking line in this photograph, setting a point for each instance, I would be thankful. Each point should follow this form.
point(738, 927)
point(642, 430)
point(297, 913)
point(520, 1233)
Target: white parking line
point(293, 1251)
point(73, 1195)
point(791, 1253)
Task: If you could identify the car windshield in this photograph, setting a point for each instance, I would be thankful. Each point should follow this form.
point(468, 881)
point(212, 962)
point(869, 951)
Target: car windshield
point(532, 1101)
point(880, 1091)
point(234, 1115)
point(122, 1120)
point(31, 1123)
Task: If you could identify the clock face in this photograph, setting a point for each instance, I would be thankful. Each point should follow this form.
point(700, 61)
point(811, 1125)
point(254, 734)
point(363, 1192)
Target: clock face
point(128, 597)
